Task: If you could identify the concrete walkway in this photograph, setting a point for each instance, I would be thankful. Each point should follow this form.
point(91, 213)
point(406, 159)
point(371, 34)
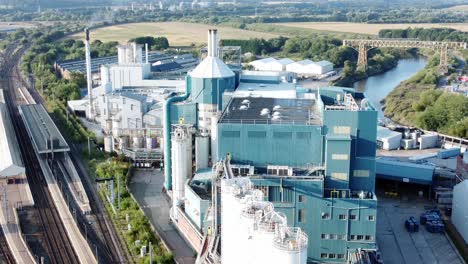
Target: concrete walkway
point(146, 186)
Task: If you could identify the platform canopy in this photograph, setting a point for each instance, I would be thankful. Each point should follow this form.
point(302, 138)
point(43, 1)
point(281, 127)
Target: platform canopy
point(11, 164)
point(45, 135)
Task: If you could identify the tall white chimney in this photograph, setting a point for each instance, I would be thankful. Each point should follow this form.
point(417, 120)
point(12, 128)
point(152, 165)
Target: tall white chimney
point(146, 51)
point(214, 44)
point(89, 78)
point(134, 45)
point(210, 52)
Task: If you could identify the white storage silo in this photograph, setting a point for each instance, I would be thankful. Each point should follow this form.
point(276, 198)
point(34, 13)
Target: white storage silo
point(123, 142)
point(137, 142)
point(202, 148)
point(214, 138)
point(180, 146)
point(151, 143)
point(108, 144)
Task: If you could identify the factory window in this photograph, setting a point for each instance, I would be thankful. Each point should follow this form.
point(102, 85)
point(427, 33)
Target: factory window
point(369, 238)
point(359, 237)
point(325, 216)
point(340, 256)
point(244, 171)
point(283, 172)
point(371, 218)
point(123, 100)
point(301, 216)
point(342, 130)
point(332, 255)
point(303, 135)
point(353, 217)
point(131, 107)
point(361, 173)
point(324, 255)
point(333, 236)
point(257, 134)
point(301, 198)
point(339, 176)
point(341, 237)
point(284, 135)
point(272, 171)
point(352, 237)
point(324, 236)
point(339, 156)
point(342, 217)
point(200, 118)
point(231, 134)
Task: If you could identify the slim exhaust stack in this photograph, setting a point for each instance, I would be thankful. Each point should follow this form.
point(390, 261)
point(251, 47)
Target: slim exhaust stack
point(89, 74)
point(214, 44)
point(210, 52)
point(146, 51)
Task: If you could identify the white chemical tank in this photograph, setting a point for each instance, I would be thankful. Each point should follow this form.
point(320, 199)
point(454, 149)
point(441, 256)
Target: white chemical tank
point(123, 142)
point(151, 143)
point(108, 144)
point(202, 149)
point(137, 142)
point(180, 145)
point(214, 138)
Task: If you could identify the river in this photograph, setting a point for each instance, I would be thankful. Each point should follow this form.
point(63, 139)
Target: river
point(379, 86)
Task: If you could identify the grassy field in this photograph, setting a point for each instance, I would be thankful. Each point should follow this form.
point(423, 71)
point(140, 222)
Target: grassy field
point(284, 29)
point(178, 33)
point(362, 28)
point(458, 8)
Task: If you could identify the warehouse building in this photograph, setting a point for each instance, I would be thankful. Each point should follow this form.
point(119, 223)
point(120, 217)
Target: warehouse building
point(460, 209)
point(388, 139)
point(308, 68)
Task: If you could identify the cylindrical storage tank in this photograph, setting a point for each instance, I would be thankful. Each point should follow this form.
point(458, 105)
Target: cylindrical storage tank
point(108, 125)
point(116, 128)
point(151, 143)
point(214, 138)
point(137, 142)
point(123, 142)
point(189, 154)
point(202, 149)
point(179, 164)
point(108, 144)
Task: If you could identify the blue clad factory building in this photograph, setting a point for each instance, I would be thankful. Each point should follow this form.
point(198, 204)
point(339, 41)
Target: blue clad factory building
point(315, 162)
point(310, 151)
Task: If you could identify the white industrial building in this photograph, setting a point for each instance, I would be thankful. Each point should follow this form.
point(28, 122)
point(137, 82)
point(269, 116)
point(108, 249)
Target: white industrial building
point(460, 209)
point(388, 139)
point(253, 232)
point(271, 64)
point(310, 68)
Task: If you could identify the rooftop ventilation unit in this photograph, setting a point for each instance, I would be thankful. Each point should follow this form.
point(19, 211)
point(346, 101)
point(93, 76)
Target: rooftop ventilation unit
point(265, 111)
point(245, 101)
point(243, 107)
point(276, 108)
point(276, 114)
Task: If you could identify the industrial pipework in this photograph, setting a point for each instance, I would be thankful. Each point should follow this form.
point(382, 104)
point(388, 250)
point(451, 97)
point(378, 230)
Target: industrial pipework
point(167, 133)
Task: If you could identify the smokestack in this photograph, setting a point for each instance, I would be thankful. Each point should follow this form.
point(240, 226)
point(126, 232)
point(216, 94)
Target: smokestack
point(89, 79)
point(146, 50)
point(134, 52)
point(214, 44)
point(209, 44)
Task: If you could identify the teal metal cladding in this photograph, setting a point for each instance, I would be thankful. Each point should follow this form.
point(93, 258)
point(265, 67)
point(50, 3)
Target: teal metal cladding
point(262, 144)
point(210, 91)
point(333, 225)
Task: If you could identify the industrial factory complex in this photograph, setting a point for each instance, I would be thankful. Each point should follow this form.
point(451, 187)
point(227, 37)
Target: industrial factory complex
point(254, 163)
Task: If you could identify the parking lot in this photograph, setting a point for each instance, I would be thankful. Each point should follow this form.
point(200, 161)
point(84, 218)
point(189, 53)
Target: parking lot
point(399, 246)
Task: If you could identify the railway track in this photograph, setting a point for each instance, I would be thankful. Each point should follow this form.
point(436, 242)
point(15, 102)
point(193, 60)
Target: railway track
point(5, 250)
point(58, 245)
point(109, 247)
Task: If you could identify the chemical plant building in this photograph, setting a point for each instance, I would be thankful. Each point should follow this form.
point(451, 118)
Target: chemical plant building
point(295, 168)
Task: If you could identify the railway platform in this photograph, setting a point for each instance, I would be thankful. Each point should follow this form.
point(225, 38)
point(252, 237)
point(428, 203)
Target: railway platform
point(15, 195)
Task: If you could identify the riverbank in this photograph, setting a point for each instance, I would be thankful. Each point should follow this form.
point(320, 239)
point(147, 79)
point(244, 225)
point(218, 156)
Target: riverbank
point(377, 87)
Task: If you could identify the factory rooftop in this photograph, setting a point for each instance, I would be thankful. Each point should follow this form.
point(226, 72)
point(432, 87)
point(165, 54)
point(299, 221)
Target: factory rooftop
point(254, 110)
point(42, 129)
